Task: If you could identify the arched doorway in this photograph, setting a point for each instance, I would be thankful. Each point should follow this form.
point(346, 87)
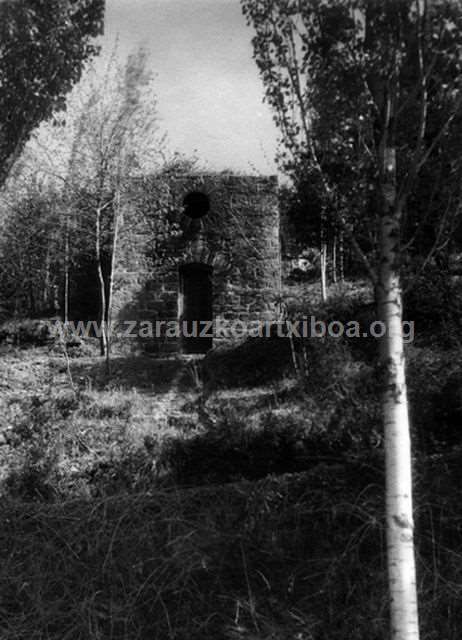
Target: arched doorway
point(195, 307)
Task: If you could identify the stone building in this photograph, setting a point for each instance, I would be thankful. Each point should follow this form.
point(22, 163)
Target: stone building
point(197, 248)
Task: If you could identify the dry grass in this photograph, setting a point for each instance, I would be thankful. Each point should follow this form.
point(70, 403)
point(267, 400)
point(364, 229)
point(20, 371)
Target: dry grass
point(298, 557)
point(272, 559)
point(294, 557)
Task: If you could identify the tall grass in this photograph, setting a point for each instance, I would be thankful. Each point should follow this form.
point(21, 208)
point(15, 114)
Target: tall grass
point(288, 558)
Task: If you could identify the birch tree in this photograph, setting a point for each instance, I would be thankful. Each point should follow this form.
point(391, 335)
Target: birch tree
point(108, 135)
point(118, 140)
point(375, 86)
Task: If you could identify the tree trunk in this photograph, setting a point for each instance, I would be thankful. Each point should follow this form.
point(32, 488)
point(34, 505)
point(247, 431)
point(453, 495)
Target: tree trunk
point(46, 295)
point(99, 266)
point(334, 259)
point(66, 270)
point(323, 237)
point(115, 237)
point(341, 256)
point(32, 306)
point(324, 271)
point(398, 464)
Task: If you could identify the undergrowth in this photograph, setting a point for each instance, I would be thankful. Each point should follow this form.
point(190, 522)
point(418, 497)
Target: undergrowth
point(255, 519)
point(297, 557)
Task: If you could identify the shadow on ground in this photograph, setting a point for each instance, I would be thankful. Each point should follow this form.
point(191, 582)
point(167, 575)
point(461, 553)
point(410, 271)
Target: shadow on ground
point(141, 372)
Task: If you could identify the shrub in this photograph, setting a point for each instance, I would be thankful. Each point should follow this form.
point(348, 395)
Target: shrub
point(34, 478)
point(434, 304)
point(25, 332)
point(54, 447)
point(230, 449)
point(435, 396)
point(129, 468)
point(105, 405)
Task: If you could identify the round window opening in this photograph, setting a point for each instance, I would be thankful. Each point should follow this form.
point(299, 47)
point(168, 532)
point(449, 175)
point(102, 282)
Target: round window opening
point(196, 205)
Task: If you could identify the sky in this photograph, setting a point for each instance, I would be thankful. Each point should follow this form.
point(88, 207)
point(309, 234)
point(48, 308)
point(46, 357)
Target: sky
point(208, 88)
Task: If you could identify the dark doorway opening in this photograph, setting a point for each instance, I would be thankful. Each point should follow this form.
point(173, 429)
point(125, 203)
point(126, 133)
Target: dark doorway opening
point(195, 308)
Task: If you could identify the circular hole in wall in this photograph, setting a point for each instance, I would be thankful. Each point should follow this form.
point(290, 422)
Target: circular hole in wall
point(196, 204)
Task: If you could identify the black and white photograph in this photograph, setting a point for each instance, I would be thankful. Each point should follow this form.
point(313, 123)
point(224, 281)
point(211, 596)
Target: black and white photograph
point(230, 305)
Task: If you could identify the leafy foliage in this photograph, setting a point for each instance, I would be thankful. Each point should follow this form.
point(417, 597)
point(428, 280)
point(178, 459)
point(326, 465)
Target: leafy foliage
point(75, 167)
point(329, 69)
point(29, 253)
point(43, 46)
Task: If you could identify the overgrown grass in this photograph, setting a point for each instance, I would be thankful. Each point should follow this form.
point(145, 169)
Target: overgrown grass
point(97, 440)
point(244, 501)
point(289, 557)
point(92, 440)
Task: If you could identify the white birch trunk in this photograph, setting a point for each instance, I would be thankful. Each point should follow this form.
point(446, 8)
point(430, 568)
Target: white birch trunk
point(398, 462)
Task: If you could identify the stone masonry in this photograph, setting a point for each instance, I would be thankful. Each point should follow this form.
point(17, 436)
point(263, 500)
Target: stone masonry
point(198, 247)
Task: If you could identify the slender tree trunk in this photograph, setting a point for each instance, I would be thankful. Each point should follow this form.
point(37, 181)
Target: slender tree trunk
point(31, 298)
point(66, 270)
point(324, 271)
point(323, 254)
point(334, 259)
point(99, 266)
point(46, 297)
point(115, 238)
point(341, 256)
point(398, 467)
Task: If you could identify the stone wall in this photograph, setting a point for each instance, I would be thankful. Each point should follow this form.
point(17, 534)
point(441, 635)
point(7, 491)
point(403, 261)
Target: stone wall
point(237, 239)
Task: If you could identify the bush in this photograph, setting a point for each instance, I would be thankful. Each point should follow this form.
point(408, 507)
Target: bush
point(35, 478)
point(433, 302)
point(26, 333)
point(105, 405)
point(283, 440)
point(33, 435)
point(259, 361)
point(123, 469)
point(54, 449)
point(38, 333)
point(435, 396)
point(447, 431)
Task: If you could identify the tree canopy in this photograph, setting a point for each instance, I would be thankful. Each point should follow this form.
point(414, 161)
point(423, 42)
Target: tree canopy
point(345, 78)
point(43, 47)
